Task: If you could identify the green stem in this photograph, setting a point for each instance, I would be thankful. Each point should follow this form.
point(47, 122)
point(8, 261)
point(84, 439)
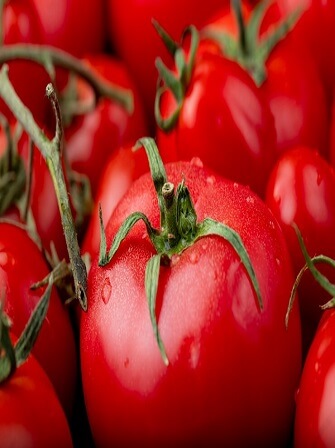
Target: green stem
point(49, 57)
point(50, 150)
point(236, 6)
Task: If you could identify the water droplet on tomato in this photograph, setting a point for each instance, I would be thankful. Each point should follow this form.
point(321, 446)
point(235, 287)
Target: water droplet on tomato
point(250, 200)
point(210, 180)
point(106, 291)
point(319, 178)
point(194, 257)
point(126, 362)
point(197, 162)
point(174, 259)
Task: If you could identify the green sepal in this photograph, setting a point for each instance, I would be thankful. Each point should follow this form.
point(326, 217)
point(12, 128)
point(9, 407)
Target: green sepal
point(211, 227)
point(104, 256)
point(169, 43)
point(151, 285)
point(16, 355)
point(310, 266)
point(31, 331)
point(249, 50)
point(7, 352)
point(175, 82)
point(310, 262)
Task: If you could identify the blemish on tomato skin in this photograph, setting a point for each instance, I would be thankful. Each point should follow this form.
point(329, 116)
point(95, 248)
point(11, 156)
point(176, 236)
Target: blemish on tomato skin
point(106, 290)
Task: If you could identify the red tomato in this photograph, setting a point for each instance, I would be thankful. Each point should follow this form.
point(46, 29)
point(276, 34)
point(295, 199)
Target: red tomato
point(20, 25)
point(224, 120)
point(76, 26)
point(315, 398)
point(22, 265)
point(137, 43)
point(30, 413)
point(122, 168)
point(313, 31)
point(332, 135)
point(291, 85)
point(301, 190)
point(213, 335)
point(92, 137)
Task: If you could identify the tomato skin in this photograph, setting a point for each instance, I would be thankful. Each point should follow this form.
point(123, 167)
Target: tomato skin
point(301, 190)
point(20, 25)
point(297, 99)
point(30, 413)
point(230, 132)
point(315, 398)
point(66, 25)
point(211, 335)
point(22, 265)
point(122, 168)
point(292, 86)
point(92, 137)
point(137, 43)
point(313, 31)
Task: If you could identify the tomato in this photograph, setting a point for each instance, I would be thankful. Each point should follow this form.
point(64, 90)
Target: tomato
point(75, 26)
point(135, 40)
point(313, 31)
point(92, 137)
point(301, 190)
point(21, 266)
point(332, 136)
point(292, 86)
point(122, 168)
point(30, 412)
point(209, 321)
point(230, 132)
point(20, 25)
point(315, 398)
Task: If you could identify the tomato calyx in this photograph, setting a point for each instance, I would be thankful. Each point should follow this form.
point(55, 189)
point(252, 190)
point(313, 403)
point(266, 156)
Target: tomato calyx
point(310, 266)
point(12, 356)
point(249, 49)
point(175, 82)
point(178, 231)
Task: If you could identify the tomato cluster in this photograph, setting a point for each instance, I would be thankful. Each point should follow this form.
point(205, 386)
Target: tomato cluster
point(167, 209)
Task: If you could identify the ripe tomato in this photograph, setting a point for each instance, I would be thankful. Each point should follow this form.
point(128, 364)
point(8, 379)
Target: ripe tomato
point(209, 322)
point(22, 265)
point(30, 413)
point(121, 169)
point(137, 43)
point(301, 190)
point(20, 25)
point(230, 132)
point(75, 26)
point(92, 137)
point(313, 30)
point(292, 86)
point(315, 398)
